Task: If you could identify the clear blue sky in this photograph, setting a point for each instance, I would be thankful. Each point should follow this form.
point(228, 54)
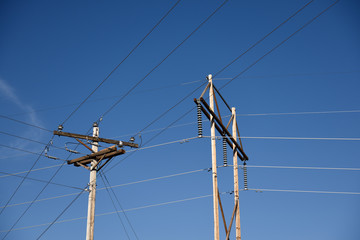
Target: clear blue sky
point(54, 53)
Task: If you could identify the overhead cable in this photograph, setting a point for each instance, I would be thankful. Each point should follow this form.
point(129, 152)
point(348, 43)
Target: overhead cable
point(245, 115)
point(253, 64)
point(107, 184)
point(25, 123)
point(114, 212)
point(196, 171)
point(32, 140)
point(281, 43)
point(263, 38)
point(119, 185)
point(62, 212)
point(163, 60)
point(301, 191)
point(184, 200)
point(37, 196)
point(39, 180)
point(37, 169)
point(27, 174)
point(107, 77)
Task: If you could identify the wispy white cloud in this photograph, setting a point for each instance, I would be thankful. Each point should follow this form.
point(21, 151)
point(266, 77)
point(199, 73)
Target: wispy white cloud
point(9, 94)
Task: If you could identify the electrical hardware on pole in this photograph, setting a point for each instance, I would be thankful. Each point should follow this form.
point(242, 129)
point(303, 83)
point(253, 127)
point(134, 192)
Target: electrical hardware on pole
point(94, 162)
point(229, 139)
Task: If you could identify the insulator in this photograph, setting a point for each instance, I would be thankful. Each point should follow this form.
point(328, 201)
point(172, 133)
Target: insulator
point(245, 177)
point(224, 151)
point(199, 119)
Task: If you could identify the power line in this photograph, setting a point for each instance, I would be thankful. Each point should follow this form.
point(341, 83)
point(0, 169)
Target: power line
point(37, 196)
point(119, 185)
point(306, 168)
point(304, 138)
point(20, 149)
point(107, 77)
point(196, 171)
point(298, 113)
point(37, 169)
point(281, 43)
point(113, 203)
point(57, 218)
point(126, 210)
point(34, 153)
point(172, 51)
point(245, 70)
point(22, 181)
point(301, 191)
point(296, 138)
point(183, 140)
point(156, 135)
point(246, 115)
point(39, 180)
point(184, 200)
point(85, 101)
point(25, 123)
point(31, 140)
point(263, 38)
point(183, 84)
point(253, 64)
point(291, 75)
point(163, 114)
point(117, 199)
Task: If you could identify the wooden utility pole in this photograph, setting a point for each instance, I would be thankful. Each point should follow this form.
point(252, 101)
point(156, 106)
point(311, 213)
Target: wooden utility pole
point(97, 160)
point(214, 165)
point(92, 188)
point(236, 177)
point(229, 139)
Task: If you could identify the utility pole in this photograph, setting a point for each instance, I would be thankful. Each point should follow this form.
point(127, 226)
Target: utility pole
point(92, 188)
point(229, 139)
point(214, 165)
point(97, 160)
point(236, 178)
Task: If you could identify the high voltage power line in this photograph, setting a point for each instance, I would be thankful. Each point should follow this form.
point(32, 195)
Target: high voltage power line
point(189, 199)
point(107, 77)
point(100, 118)
point(163, 60)
point(246, 69)
point(197, 171)
point(170, 86)
point(184, 140)
point(107, 186)
point(235, 77)
point(25, 123)
point(192, 123)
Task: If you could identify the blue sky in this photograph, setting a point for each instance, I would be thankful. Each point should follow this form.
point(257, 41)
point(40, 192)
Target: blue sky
point(304, 93)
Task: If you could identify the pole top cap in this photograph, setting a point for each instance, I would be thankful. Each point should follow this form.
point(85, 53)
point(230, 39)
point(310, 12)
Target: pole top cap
point(95, 124)
point(209, 77)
